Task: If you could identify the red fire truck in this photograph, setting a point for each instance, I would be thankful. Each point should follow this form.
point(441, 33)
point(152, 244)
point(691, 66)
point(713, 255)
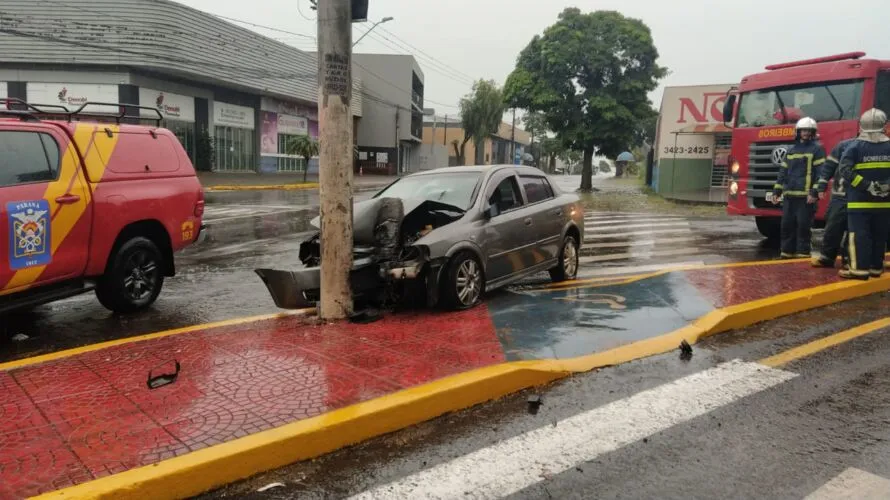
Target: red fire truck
point(763, 110)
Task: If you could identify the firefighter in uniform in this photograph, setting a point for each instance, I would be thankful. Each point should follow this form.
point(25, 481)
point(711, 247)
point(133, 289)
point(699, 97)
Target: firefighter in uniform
point(795, 182)
point(865, 167)
point(836, 219)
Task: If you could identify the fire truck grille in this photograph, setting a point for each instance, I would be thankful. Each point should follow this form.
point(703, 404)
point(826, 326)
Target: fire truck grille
point(762, 172)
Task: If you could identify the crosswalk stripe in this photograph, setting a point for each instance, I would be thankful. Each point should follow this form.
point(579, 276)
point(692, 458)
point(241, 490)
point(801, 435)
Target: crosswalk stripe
point(642, 243)
point(853, 484)
point(609, 236)
point(622, 227)
point(647, 268)
point(510, 466)
point(636, 255)
point(602, 222)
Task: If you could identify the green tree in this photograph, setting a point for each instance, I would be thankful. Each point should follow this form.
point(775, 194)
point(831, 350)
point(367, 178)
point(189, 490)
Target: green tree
point(590, 75)
point(535, 125)
point(481, 112)
point(551, 148)
point(647, 127)
point(205, 151)
point(605, 167)
point(302, 145)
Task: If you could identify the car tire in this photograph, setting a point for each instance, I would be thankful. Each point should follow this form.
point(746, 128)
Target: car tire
point(464, 270)
point(134, 277)
point(769, 227)
point(567, 268)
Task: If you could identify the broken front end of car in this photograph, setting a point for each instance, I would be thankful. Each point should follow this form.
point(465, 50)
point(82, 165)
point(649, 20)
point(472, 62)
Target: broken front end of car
point(392, 264)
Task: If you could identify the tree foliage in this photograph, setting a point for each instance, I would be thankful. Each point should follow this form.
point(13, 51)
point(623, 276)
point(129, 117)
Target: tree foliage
point(590, 75)
point(481, 112)
point(304, 146)
point(536, 125)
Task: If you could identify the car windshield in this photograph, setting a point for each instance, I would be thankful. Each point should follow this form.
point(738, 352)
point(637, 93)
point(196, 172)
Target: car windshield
point(786, 105)
point(451, 188)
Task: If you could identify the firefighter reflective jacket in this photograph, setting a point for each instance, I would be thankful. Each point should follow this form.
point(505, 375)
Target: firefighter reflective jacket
point(798, 173)
point(865, 167)
point(829, 169)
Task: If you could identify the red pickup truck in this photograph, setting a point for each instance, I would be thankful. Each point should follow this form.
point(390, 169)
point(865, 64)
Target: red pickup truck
point(88, 203)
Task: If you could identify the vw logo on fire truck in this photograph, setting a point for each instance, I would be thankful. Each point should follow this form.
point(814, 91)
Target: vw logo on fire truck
point(779, 155)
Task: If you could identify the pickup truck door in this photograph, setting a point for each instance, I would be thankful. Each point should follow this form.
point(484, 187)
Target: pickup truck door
point(45, 209)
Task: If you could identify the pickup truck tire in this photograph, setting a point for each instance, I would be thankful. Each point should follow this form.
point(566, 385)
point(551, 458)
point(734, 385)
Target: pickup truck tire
point(464, 282)
point(134, 277)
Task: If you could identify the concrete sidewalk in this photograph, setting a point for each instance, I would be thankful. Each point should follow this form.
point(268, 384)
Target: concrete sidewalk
point(256, 394)
point(216, 181)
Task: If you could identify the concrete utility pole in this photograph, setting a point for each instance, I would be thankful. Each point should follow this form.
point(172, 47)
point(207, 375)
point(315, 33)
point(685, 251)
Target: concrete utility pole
point(513, 139)
point(335, 155)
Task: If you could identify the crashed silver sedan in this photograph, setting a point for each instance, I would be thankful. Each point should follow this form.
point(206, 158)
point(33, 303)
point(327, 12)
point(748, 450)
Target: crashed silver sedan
point(445, 237)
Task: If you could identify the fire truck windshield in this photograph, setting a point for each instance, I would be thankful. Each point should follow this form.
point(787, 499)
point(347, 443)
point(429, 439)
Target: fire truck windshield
point(785, 105)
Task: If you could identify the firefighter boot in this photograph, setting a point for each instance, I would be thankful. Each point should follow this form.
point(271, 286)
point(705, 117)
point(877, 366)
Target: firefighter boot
point(850, 274)
point(821, 261)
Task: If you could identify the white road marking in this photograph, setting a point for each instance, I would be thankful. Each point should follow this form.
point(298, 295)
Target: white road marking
point(611, 228)
point(644, 243)
point(617, 271)
point(853, 484)
point(644, 254)
point(517, 463)
point(606, 236)
point(613, 222)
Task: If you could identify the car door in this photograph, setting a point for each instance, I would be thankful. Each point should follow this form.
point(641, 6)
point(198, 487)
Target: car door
point(547, 217)
point(43, 215)
point(507, 237)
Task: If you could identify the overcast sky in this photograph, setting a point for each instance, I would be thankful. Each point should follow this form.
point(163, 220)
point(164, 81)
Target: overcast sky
point(700, 41)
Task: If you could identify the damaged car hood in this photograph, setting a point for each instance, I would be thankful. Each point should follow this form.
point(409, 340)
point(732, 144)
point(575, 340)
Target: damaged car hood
point(364, 215)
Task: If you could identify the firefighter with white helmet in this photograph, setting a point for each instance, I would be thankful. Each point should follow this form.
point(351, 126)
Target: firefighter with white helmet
point(796, 182)
point(865, 167)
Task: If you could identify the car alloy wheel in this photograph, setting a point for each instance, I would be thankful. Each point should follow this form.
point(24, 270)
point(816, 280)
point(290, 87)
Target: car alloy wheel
point(570, 258)
point(468, 282)
point(140, 275)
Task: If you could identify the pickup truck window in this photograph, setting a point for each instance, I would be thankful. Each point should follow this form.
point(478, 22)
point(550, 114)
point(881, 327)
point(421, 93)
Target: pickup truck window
point(27, 157)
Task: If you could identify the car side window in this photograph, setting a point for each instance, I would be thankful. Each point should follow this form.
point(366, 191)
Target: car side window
point(536, 188)
point(506, 195)
point(27, 157)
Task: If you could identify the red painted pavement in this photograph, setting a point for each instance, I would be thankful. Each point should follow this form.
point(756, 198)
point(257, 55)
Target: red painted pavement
point(730, 286)
point(90, 415)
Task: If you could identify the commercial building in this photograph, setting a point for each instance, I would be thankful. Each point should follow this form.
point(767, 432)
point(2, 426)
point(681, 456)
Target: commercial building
point(391, 129)
point(444, 131)
point(208, 77)
point(692, 144)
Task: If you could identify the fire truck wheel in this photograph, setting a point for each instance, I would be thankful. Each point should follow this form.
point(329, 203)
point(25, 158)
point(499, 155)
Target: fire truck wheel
point(769, 227)
point(134, 277)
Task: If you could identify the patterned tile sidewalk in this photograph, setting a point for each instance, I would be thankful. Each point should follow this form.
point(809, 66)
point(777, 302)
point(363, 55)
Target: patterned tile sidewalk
point(90, 415)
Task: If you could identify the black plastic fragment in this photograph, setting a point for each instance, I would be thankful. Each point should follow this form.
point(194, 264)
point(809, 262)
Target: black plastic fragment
point(160, 380)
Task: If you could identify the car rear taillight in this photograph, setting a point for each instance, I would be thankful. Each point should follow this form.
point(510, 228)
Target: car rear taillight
point(199, 205)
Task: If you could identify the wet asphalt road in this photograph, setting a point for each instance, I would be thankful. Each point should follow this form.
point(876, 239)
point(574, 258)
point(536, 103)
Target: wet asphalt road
point(251, 229)
point(827, 417)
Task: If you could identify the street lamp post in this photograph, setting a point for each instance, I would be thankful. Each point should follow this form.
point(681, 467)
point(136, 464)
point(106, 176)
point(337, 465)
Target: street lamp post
point(384, 20)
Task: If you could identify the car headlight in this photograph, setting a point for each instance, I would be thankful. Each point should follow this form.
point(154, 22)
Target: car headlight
point(735, 167)
point(734, 188)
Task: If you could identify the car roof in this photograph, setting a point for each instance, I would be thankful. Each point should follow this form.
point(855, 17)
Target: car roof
point(490, 169)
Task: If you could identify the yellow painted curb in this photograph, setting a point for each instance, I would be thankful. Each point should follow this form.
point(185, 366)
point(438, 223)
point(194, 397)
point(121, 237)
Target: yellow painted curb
point(260, 187)
point(216, 466)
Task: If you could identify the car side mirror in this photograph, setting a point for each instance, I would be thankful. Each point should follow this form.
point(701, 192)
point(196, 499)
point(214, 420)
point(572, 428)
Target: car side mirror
point(728, 108)
point(492, 211)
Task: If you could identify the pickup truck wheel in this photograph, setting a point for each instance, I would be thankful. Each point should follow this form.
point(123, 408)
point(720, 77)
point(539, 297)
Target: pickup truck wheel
point(464, 282)
point(567, 268)
point(134, 278)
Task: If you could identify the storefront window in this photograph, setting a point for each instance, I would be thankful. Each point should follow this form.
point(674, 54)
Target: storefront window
point(288, 162)
point(185, 132)
point(235, 149)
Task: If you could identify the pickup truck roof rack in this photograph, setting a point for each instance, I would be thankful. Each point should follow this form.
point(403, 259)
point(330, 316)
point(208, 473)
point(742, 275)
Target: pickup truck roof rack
point(33, 112)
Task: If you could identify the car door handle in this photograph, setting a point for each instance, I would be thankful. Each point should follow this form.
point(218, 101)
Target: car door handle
point(67, 199)
point(528, 221)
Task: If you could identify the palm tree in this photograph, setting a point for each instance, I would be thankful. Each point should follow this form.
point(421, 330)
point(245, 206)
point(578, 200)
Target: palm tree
point(304, 146)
